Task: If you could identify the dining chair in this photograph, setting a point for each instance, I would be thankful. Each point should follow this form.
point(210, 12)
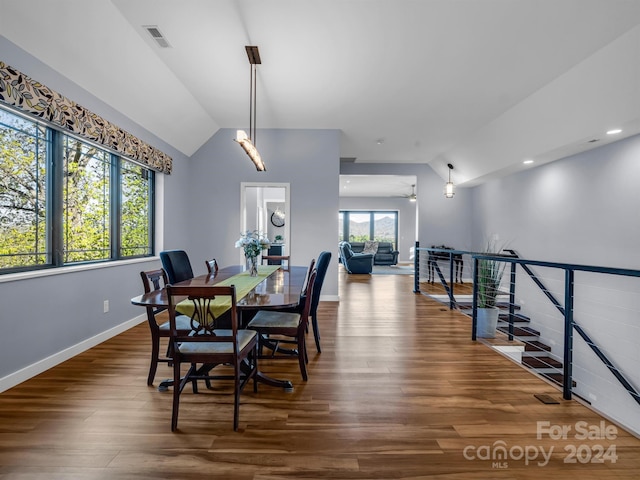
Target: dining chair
point(321, 266)
point(207, 344)
point(212, 266)
point(158, 319)
point(275, 325)
point(281, 259)
point(177, 265)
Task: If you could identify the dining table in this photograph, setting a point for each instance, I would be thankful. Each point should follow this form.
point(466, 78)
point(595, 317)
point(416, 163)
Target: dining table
point(274, 288)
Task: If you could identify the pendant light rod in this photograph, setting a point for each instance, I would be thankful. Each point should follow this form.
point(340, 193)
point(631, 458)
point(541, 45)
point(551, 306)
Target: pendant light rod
point(248, 142)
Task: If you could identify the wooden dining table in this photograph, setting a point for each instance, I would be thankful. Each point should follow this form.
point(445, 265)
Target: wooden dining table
point(279, 289)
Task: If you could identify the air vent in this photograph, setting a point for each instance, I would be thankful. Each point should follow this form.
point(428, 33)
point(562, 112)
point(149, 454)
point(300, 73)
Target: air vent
point(156, 34)
point(594, 140)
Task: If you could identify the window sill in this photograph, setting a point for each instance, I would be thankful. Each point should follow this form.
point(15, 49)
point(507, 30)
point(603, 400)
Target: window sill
point(10, 277)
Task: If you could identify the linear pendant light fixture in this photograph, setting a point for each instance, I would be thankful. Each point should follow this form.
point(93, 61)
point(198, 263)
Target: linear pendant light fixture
point(248, 142)
point(448, 188)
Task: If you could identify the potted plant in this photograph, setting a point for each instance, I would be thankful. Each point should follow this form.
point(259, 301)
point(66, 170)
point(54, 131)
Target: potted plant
point(489, 277)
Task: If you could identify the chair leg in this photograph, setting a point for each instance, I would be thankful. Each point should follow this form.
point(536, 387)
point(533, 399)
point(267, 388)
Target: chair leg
point(236, 397)
point(301, 356)
point(316, 332)
point(153, 366)
point(176, 395)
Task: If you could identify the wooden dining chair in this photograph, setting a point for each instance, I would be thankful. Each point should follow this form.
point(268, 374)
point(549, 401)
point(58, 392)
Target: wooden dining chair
point(207, 344)
point(283, 260)
point(274, 326)
point(158, 320)
point(212, 266)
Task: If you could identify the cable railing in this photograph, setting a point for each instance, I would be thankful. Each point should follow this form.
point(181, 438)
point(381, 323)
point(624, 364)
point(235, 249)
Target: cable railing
point(540, 318)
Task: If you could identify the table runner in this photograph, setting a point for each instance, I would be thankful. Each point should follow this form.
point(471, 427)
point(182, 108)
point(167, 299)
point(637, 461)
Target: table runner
point(244, 284)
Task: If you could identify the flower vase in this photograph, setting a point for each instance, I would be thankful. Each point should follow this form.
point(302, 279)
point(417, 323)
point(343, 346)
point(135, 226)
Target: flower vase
point(252, 266)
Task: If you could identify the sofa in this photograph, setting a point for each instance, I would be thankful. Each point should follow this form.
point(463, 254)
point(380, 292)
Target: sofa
point(384, 252)
point(355, 262)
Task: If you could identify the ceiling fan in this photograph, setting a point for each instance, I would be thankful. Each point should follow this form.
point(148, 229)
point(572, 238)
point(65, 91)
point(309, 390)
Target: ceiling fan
point(412, 196)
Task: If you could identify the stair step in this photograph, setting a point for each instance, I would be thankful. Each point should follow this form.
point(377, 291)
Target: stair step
point(557, 378)
point(517, 318)
point(541, 362)
point(536, 346)
point(520, 331)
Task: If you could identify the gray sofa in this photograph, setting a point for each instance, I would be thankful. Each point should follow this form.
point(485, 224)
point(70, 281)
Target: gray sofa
point(385, 255)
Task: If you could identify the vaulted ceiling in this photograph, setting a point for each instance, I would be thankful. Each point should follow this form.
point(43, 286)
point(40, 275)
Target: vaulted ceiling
point(482, 84)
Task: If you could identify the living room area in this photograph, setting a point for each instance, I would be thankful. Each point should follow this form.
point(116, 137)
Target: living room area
point(378, 217)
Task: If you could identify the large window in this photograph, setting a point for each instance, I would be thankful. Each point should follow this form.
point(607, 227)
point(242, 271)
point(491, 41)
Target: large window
point(66, 201)
point(359, 226)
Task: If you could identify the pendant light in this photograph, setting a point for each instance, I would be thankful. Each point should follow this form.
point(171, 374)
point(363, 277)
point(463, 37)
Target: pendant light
point(248, 142)
point(448, 188)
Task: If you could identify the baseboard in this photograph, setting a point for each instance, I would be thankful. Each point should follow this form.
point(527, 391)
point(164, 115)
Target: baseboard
point(329, 298)
point(45, 364)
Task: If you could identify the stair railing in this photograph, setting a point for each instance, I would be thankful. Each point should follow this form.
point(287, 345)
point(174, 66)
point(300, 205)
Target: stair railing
point(567, 311)
point(431, 263)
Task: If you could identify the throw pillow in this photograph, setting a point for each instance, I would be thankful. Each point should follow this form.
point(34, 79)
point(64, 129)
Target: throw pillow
point(370, 247)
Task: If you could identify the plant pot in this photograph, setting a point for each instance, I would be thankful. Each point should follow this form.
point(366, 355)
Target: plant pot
point(487, 322)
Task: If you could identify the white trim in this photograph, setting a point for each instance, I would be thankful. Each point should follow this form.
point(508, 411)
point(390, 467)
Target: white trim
point(45, 364)
point(329, 298)
point(46, 272)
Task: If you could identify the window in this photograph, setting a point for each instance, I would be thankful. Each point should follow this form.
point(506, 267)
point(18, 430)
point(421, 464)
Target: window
point(360, 226)
point(64, 200)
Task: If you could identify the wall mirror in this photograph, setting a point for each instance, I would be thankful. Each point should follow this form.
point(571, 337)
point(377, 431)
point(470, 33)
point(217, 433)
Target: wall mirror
point(265, 207)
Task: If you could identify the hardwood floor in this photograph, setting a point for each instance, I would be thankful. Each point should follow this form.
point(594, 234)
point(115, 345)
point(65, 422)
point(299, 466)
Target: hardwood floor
point(399, 392)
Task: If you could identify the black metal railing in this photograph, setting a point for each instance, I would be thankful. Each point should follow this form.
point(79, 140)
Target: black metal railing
point(425, 257)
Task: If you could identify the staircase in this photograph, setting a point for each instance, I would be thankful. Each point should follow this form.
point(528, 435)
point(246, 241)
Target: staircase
point(536, 355)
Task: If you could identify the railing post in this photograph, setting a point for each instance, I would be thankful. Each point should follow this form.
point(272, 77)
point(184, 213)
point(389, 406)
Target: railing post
point(451, 282)
point(416, 268)
point(568, 335)
point(512, 298)
point(474, 308)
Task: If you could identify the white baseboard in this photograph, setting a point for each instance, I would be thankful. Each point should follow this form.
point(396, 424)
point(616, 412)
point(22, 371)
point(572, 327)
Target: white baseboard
point(45, 364)
point(329, 298)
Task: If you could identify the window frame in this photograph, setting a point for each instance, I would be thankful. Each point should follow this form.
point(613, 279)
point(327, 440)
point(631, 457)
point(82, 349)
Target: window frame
point(346, 214)
point(54, 208)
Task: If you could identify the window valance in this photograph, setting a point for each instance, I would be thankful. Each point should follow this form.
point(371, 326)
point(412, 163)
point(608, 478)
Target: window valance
point(24, 93)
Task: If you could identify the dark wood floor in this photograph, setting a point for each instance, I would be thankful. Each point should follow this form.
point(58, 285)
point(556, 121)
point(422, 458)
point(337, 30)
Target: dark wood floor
point(399, 392)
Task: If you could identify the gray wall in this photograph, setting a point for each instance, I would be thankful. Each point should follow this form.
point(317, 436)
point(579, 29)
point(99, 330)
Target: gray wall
point(581, 210)
point(306, 159)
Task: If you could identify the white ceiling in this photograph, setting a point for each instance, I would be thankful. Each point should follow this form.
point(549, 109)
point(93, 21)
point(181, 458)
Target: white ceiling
point(377, 185)
point(482, 84)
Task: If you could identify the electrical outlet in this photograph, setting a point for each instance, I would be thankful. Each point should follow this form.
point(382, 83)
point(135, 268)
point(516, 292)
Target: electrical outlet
point(106, 306)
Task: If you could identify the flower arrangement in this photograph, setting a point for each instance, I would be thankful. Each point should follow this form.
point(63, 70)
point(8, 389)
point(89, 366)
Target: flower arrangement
point(252, 243)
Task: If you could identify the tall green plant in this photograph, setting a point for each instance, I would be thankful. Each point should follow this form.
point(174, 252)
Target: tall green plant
point(489, 277)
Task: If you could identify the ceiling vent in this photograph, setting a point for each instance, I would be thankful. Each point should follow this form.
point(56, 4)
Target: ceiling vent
point(156, 34)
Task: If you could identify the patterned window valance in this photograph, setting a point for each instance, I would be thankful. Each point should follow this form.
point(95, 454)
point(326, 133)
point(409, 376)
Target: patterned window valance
point(26, 94)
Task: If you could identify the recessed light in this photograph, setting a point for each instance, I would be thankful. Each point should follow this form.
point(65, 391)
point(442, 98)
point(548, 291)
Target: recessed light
point(614, 131)
point(527, 162)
